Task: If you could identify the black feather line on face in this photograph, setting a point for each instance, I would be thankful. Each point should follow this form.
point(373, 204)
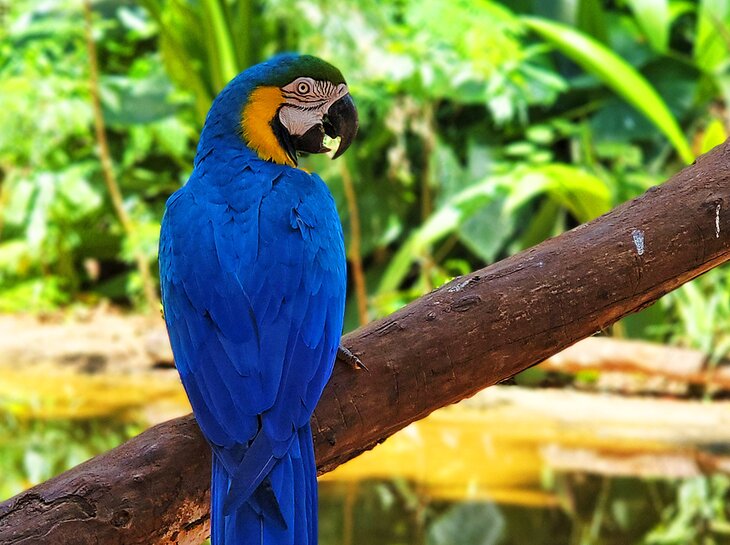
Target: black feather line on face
point(284, 138)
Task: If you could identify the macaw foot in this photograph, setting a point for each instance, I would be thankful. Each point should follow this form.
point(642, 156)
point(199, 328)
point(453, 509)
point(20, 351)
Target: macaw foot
point(345, 356)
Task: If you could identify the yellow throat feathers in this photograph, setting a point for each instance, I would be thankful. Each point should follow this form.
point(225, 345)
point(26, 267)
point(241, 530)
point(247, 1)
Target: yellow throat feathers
point(256, 119)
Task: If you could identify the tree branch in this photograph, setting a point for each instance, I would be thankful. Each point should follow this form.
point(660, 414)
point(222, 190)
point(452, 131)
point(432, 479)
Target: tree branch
point(472, 333)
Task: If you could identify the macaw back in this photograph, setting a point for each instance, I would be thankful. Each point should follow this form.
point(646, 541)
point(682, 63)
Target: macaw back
point(252, 269)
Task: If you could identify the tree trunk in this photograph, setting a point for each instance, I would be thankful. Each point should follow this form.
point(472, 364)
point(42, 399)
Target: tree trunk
point(471, 333)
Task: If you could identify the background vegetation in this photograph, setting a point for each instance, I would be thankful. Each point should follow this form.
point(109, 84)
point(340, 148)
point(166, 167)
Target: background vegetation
point(487, 127)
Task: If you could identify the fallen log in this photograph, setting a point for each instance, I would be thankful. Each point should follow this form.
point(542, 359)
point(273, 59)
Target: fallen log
point(641, 367)
point(473, 332)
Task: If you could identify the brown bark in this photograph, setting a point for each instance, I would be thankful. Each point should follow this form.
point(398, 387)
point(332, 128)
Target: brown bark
point(152, 489)
point(475, 331)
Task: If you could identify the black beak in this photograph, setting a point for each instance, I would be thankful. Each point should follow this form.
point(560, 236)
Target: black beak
point(311, 141)
point(341, 120)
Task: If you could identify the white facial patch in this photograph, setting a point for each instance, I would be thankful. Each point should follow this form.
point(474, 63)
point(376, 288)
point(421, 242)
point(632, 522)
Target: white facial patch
point(306, 102)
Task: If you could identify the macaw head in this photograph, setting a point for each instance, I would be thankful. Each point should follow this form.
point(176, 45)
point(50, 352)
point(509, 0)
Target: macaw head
point(287, 106)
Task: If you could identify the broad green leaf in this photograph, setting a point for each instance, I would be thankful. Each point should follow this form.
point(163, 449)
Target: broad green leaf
point(219, 37)
point(654, 18)
point(75, 197)
point(583, 194)
point(617, 74)
point(590, 17)
point(713, 135)
point(546, 222)
point(15, 256)
point(711, 42)
point(34, 295)
point(677, 8)
point(443, 221)
point(181, 48)
point(486, 232)
point(130, 101)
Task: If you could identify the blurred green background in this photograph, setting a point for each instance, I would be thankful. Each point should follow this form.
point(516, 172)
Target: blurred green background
point(486, 127)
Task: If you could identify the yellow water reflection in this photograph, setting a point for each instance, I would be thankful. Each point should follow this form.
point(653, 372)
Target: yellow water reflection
point(506, 443)
point(455, 454)
point(47, 392)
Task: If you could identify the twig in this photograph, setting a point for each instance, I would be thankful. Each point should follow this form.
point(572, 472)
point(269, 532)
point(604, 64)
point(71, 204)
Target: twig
point(354, 251)
point(426, 130)
point(148, 286)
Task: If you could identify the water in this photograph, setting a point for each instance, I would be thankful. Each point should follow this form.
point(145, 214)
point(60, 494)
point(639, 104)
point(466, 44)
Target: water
point(590, 510)
point(517, 467)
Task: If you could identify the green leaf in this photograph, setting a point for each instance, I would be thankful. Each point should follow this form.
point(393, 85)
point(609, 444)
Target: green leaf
point(591, 19)
point(220, 39)
point(182, 49)
point(34, 295)
point(583, 194)
point(617, 74)
point(714, 135)
point(677, 8)
point(546, 222)
point(654, 18)
point(14, 256)
point(443, 221)
point(129, 101)
point(472, 523)
point(75, 196)
point(486, 232)
point(711, 43)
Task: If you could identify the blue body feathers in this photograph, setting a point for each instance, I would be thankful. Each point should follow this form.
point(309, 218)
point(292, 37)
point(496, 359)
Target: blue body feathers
point(252, 268)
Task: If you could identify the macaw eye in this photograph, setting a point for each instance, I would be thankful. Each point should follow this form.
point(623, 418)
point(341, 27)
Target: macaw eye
point(303, 88)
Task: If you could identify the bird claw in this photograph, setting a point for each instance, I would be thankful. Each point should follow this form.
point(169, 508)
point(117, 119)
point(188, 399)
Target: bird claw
point(346, 356)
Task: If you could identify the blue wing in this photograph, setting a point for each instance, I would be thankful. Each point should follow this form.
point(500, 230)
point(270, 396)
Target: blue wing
point(253, 279)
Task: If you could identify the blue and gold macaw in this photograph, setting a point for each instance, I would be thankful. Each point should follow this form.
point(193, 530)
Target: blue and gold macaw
point(252, 268)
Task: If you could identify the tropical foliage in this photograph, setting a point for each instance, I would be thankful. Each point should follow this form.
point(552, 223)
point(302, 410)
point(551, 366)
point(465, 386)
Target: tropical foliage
point(474, 144)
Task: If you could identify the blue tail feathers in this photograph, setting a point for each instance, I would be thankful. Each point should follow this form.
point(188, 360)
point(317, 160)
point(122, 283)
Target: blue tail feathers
point(283, 508)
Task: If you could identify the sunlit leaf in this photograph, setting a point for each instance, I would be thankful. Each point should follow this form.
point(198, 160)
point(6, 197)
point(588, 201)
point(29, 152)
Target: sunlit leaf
point(219, 35)
point(617, 74)
point(713, 135)
point(445, 220)
point(654, 17)
point(712, 47)
point(585, 195)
